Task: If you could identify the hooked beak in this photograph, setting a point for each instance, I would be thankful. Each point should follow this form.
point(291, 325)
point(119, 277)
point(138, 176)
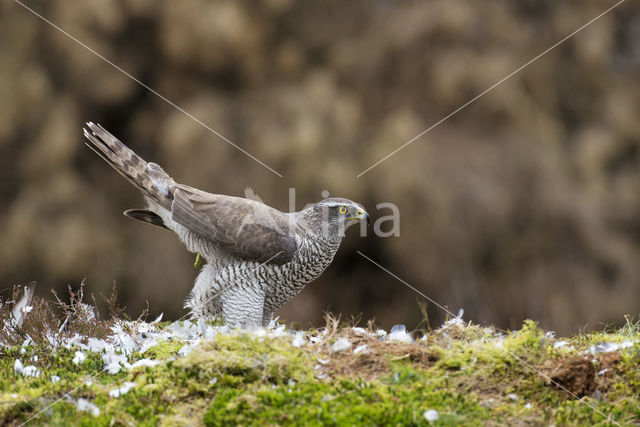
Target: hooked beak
point(362, 215)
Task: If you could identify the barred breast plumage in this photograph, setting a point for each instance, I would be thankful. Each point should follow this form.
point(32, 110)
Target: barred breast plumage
point(258, 258)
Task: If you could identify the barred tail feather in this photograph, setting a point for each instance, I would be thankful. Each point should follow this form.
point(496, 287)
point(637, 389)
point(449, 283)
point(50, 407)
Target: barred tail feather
point(147, 177)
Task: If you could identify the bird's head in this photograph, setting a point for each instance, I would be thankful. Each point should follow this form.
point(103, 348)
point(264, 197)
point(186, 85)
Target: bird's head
point(334, 215)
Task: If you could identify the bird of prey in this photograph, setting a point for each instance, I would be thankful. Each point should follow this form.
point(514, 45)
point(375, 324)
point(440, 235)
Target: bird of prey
point(257, 257)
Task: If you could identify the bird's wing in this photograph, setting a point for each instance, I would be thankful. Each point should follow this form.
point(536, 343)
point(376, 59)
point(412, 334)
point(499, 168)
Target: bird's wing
point(244, 228)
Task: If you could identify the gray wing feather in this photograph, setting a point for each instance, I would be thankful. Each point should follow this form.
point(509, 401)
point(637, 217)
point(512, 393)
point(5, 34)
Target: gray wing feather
point(241, 227)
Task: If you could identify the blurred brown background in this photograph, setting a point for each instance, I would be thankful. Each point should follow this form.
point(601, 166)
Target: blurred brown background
point(524, 205)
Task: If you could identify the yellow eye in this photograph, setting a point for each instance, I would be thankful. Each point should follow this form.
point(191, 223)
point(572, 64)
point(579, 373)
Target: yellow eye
point(343, 210)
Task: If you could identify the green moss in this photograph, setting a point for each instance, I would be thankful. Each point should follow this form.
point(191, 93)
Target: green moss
point(343, 402)
point(475, 377)
point(164, 350)
point(245, 358)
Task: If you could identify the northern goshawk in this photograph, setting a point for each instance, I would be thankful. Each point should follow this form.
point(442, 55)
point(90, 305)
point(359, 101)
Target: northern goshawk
point(257, 258)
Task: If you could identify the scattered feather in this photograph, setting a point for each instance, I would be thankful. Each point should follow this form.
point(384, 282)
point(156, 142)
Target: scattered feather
point(22, 307)
point(122, 390)
point(431, 415)
point(145, 363)
point(185, 350)
point(604, 347)
point(273, 323)
point(341, 344)
point(456, 321)
point(85, 406)
point(260, 332)
point(30, 371)
point(364, 349)
point(79, 358)
point(298, 340)
point(399, 333)
point(359, 331)
point(17, 367)
point(203, 328)
point(398, 329)
point(315, 339)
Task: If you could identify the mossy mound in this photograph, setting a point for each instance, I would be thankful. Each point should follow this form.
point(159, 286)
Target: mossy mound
point(459, 374)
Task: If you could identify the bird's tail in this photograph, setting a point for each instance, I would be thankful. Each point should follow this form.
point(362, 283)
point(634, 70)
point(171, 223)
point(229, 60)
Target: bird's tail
point(149, 178)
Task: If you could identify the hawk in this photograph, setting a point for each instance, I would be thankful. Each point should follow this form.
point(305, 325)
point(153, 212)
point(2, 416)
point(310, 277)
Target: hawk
point(257, 257)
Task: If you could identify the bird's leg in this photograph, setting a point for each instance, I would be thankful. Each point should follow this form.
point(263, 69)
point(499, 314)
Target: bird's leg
point(242, 305)
point(204, 298)
point(266, 317)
